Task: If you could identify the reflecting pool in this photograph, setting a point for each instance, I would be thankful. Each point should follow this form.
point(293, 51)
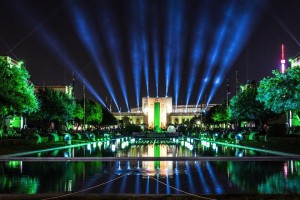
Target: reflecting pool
point(153, 176)
point(150, 177)
point(129, 147)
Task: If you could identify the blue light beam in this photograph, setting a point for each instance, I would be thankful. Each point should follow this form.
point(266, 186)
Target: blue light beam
point(87, 36)
point(198, 45)
point(113, 44)
point(215, 50)
point(179, 40)
point(49, 38)
point(240, 32)
point(169, 44)
point(136, 45)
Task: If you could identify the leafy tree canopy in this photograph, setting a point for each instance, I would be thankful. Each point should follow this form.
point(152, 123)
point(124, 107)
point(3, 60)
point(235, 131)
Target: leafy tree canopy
point(16, 92)
point(78, 113)
point(221, 114)
point(93, 113)
point(216, 115)
point(244, 105)
point(281, 92)
point(55, 105)
point(108, 118)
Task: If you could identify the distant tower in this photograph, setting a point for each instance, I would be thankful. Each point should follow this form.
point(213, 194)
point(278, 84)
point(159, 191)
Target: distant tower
point(282, 59)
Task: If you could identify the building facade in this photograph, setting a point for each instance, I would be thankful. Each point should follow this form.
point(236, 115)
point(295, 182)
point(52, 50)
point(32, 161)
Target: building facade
point(158, 113)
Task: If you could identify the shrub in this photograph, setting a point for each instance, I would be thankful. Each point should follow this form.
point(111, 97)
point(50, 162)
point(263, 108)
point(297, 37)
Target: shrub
point(277, 130)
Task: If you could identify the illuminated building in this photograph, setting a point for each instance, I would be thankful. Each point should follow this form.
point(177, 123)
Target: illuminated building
point(10, 62)
point(158, 112)
point(295, 61)
point(68, 89)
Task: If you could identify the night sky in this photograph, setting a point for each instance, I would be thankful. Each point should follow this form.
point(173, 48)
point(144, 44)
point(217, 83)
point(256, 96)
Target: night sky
point(125, 50)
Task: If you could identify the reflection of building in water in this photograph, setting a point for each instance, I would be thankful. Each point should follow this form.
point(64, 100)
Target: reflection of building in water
point(163, 168)
point(159, 112)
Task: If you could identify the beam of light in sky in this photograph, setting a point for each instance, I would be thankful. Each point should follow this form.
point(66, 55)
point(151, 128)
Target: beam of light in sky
point(144, 42)
point(137, 68)
point(240, 32)
point(215, 50)
point(33, 30)
point(113, 43)
point(169, 41)
point(10, 50)
point(198, 45)
point(136, 46)
point(58, 50)
point(155, 44)
point(146, 64)
point(179, 40)
point(285, 28)
point(155, 52)
point(87, 36)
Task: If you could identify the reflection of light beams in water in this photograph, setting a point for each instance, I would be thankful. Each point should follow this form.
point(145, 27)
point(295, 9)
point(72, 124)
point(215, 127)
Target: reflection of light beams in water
point(123, 184)
point(138, 165)
point(167, 185)
point(190, 178)
point(201, 178)
point(157, 184)
point(137, 184)
point(177, 182)
point(128, 165)
point(108, 187)
point(218, 188)
point(119, 170)
point(147, 185)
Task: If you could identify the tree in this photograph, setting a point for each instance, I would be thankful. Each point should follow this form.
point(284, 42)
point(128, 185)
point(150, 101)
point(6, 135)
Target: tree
point(54, 106)
point(207, 116)
point(93, 113)
point(16, 92)
point(221, 114)
point(194, 121)
point(244, 106)
point(218, 114)
point(78, 113)
point(126, 121)
point(108, 118)
point(281, 92)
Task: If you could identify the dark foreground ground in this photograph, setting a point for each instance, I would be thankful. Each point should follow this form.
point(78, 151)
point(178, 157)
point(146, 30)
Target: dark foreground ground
point(150, 197)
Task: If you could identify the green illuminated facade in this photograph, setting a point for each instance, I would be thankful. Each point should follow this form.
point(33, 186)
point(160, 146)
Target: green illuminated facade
point(157, 116)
